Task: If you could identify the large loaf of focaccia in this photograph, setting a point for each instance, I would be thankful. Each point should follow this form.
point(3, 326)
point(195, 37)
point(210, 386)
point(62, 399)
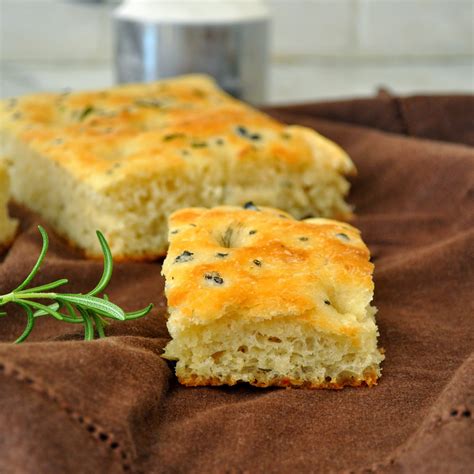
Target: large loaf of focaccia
point(122, 160)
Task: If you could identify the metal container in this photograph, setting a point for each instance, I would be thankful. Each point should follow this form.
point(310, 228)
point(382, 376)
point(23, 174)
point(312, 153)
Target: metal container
point(234, 50)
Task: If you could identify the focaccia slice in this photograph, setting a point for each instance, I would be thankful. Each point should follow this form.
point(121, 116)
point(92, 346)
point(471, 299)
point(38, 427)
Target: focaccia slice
point(256, 296)
point(122, 159)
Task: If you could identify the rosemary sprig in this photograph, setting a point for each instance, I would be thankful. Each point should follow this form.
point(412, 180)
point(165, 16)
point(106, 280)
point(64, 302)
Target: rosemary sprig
point(87, 309)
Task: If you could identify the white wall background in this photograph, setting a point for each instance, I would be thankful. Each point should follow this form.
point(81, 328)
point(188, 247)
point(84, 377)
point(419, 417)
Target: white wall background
point(320, 48)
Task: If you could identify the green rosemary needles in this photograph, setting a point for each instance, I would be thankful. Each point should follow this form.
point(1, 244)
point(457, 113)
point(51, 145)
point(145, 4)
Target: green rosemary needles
point(89, 310)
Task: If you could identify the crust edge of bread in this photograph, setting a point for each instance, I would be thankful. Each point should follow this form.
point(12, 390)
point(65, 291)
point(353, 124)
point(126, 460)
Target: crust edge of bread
point(370, 379)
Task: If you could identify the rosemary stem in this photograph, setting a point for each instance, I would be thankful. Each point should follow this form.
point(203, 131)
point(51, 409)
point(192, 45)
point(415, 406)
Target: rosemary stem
point(11, 297)
point(87, 309)
point(5, 298)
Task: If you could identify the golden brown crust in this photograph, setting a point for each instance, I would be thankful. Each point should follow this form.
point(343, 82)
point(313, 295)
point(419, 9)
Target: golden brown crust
point(269, 264)
point(105, 137)
point(370, 380)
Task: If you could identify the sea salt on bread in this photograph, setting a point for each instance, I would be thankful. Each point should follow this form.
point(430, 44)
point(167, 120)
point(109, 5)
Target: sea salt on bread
point(8, 226)
point(121, 160)
point(256, 296)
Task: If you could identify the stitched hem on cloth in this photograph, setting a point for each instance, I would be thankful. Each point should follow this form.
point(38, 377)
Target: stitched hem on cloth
point(92, 427)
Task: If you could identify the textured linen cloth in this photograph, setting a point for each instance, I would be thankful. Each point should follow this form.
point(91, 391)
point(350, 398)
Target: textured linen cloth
point(114, 405)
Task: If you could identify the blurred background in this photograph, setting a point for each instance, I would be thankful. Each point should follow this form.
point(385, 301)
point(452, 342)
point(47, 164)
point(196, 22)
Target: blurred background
point(318, 49)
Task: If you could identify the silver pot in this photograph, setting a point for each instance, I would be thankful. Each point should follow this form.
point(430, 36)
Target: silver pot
point(234, 53)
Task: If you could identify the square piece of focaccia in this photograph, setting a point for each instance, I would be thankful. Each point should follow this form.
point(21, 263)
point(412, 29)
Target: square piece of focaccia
point(256, 296)
point(8, 226)
point(121, 160)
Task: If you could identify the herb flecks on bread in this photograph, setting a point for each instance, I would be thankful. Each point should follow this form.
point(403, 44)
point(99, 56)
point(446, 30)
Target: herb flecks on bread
point(256, 296)
point(123, 159)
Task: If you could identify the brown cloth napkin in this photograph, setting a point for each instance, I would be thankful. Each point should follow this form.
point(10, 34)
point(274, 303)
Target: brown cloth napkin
point(114, 405)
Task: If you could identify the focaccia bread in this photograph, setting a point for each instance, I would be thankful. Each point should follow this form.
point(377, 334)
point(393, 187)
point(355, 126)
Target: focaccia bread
point(256, 296)
point(8, 226)
point(121, 160)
